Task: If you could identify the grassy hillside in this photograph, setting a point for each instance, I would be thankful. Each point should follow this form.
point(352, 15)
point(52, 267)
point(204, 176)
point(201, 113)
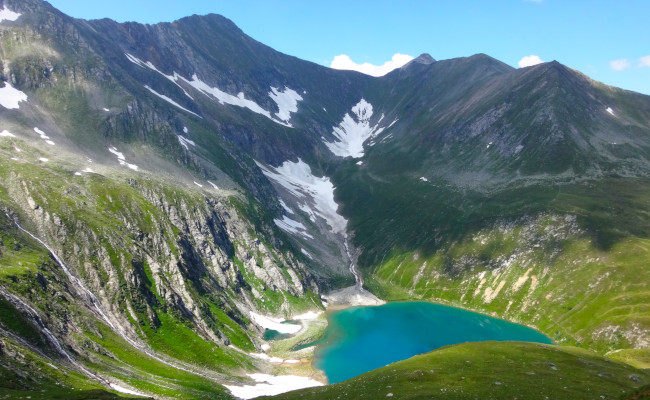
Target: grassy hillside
point(490, 370)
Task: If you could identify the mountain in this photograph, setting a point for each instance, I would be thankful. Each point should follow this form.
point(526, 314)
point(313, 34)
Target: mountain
point(170, 191)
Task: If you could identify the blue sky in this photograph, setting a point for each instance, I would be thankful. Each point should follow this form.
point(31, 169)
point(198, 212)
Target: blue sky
point(606, 40)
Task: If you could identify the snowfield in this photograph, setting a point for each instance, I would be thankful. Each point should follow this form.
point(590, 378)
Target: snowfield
point(8, 15)
point(11, 97)
point(315, 195)
point(287, 102)
point(274, 324)
point(354, 131)
point(270, 385)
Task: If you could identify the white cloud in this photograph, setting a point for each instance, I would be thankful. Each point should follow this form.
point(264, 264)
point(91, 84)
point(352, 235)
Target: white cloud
point(644, 61)
point(344, 62)
point(529, 61)
point(619, 65)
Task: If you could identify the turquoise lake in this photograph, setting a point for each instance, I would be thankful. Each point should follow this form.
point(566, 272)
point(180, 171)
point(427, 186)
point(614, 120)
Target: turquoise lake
point(361, 339)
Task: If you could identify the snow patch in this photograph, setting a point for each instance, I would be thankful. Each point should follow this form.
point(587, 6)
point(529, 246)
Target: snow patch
point(359, 163)
point(43, 159)
point(291, 226)
point(88, 170)
point(609, 110)
point(213, 185)
point(173, 78)
point(287, 102)
point(6, 133)
point(170, 101)
point(124, 390)
point(223, 97)
point(270, 385)
point(314, 194)
point(423, 179)
point(286, 208)
point(8, 15)
point(121, 159)
point(198, 184)
point(276, 360)
point(186, 142)
point(10, 97)
point(305, 252)
point(308, 316)
point(274, 324)
point(354, 131)
point(41, 133)
point(44, 136)
point(77, 174)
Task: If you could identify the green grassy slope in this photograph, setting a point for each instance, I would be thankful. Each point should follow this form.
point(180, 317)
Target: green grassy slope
point(490, 370)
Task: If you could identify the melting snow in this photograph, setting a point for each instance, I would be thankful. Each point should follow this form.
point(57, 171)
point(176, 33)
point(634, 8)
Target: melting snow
point(106, 109)
point(185, 142)
point(77, 174)
point(353, 131)
point(170, 101)
point(41, 133)
point(185, 129)
point(359, 163)
point(315, 195)
point(223, 97)
point(124, 390)
point(309, 315)
point(286, 208)
point(198, 184)
point(10, 96)
point(121, 159)
point(213, 185)
point(8, 15)
point(6, 133)
point(44, 136)
point(43, 159)
point(270, 385)
point(173, 78)
point(609, 110)
point(292, 226)
point(305, 252)
point(274, 324)
point(423, 179)
point(287, 102)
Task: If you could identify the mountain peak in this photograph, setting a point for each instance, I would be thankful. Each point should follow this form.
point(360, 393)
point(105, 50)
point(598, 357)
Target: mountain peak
point(424, 58)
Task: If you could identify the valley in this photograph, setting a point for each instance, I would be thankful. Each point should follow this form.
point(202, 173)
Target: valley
point(173, 194)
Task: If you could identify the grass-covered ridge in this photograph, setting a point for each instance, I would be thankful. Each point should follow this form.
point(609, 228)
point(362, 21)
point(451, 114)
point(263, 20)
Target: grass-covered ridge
point(491, 370)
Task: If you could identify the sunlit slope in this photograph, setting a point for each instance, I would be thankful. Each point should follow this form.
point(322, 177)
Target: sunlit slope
point(490, 370)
